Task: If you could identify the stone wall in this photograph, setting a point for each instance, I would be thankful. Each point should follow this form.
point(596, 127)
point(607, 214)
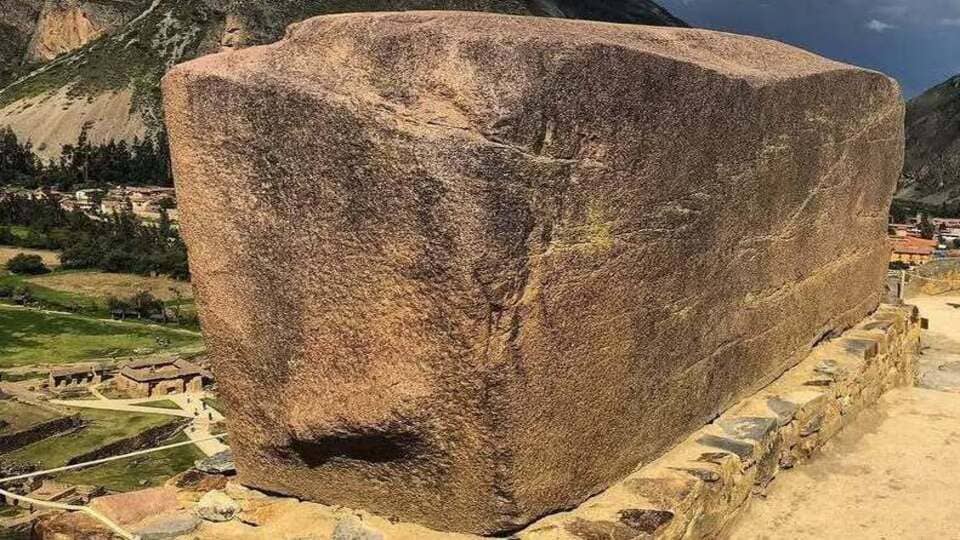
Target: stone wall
point(57, 426)
point(150, 438)
point(937, 277)
point(698, 487)
point(471, 269)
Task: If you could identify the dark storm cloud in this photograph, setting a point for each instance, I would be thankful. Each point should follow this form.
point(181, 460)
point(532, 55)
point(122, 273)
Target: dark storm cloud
point(915, 41)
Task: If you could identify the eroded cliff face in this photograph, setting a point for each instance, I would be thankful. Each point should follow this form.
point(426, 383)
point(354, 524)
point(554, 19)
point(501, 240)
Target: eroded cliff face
point(65, 25)
point(530, 253)
point(18, 19)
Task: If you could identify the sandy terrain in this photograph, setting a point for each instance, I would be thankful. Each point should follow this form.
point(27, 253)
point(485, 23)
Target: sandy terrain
point(892, 474)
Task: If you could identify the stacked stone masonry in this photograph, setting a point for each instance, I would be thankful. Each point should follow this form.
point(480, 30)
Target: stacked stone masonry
point(697, 488)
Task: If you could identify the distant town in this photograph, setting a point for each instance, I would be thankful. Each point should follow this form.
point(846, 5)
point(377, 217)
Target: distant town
point(921, 239)
point(146, 202)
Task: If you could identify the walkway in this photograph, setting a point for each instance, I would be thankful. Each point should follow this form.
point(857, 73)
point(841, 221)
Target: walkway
point(893, 473)
point(190, 406)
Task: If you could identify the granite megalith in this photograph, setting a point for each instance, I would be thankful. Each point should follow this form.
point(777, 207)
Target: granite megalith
point(469, 269)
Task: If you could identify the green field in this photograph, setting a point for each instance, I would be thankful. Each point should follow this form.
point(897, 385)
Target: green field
point(20, 416)
point(104, 427)
point(57, 300)
point(215, 404)
point(137, 473)
point(161, 404)
point(29, 337)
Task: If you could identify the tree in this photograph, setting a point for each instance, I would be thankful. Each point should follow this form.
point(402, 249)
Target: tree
point(7, 237)
point(927, 230)
point(146, 304)
point(27, 264)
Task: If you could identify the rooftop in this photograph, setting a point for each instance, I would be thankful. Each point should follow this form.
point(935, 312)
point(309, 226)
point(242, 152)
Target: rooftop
point(159, 370)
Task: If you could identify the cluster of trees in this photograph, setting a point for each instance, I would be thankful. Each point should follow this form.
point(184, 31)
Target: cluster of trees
point(120, 242)
point(86, 165)
point(31, 265)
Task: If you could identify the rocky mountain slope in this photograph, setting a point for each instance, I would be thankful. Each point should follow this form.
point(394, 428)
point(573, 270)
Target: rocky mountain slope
point(72, 64)
point(932, 170)
point(18, 20)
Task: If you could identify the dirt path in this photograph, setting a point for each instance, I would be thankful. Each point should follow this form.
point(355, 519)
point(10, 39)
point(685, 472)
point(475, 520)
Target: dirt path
point(890, 475)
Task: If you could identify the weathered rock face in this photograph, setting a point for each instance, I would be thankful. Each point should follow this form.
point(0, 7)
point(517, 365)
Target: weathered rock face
point(18, 19)
point(469, 269)
point(65, 25)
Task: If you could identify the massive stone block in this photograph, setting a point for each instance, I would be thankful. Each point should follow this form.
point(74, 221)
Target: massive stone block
point(470, 269)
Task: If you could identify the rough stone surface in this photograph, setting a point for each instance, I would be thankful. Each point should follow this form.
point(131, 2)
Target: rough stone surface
point(217, 506)
point(699, 486)
point(134, 507)
point(221, 463)
point(469, 269)
point(351, 528)
point(167, 526)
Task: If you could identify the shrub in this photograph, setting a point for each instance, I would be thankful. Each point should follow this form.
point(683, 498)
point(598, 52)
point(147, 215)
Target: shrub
point(27, 264)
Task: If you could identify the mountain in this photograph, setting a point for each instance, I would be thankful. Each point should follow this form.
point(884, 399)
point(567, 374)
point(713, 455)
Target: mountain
point(18, 19)
point(932, 169)
point(72, 65)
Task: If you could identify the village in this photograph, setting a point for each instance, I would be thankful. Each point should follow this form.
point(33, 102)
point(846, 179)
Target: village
point(146, 202)
point(921, 240)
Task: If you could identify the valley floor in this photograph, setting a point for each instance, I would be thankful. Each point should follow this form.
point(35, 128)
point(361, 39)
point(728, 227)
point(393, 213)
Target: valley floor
point(893, 473)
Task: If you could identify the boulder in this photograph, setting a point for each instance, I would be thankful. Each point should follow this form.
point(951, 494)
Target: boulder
point(221, 463)
point(469, 269)
point(70, 526)
point(134, 507)
point(351, 528)
point(167, 526)
point(217, 506)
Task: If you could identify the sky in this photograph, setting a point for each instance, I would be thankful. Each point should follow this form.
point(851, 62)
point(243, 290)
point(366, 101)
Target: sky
point(915, 41)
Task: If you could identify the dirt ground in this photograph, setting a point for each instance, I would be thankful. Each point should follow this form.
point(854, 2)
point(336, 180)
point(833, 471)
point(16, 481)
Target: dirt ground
point(893, 474)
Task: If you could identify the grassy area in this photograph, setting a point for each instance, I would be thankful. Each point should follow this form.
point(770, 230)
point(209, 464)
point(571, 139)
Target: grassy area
point(30, 337)
point(161, 404)
point(100, 285)
point(104, 427)
point(137, 473)
point(20, 416)
point(86, 292)
point(215, 404)
point(50, 258)
point(8, 376)
point(57, 300)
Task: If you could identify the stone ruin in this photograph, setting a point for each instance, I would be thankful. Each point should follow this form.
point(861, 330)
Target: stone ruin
point(468, 270)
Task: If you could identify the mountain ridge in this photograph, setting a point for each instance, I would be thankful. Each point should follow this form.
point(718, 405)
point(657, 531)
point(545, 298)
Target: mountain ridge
point(931, 173)
point(95, 65)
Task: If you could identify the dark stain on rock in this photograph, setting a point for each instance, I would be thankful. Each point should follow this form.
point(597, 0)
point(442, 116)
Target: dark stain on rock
point(717, 458)
point(786, 410)
point(600, 530)
point(706, 475)
point(744, 450)
point(865, 348)
point(645, 521)
point(749, 427)
point(370, 447)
